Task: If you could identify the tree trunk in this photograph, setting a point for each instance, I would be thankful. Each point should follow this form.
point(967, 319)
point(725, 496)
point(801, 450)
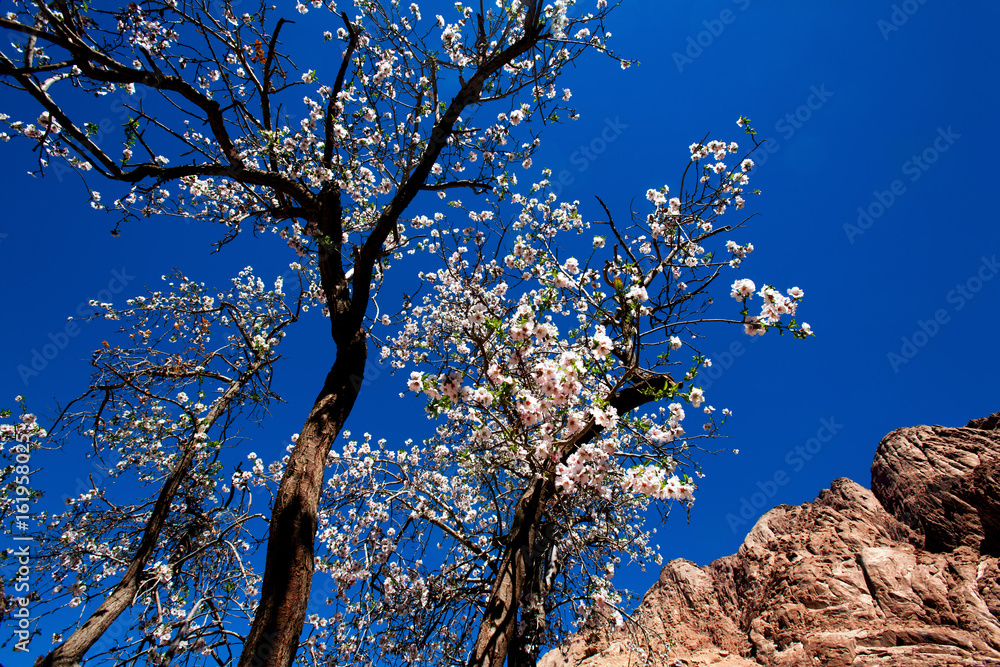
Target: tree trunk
point(523, 651)
point(498, 635)
point(71, 651)
point(274, 635)
point(498, 629)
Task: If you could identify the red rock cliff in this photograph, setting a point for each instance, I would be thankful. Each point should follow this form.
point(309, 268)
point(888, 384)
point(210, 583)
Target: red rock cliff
point(903, 574)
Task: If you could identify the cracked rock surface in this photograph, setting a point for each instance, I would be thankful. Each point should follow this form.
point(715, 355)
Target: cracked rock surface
point(906, 573)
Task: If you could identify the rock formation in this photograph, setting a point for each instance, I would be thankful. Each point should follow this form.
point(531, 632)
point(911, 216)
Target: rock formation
point(904, 574)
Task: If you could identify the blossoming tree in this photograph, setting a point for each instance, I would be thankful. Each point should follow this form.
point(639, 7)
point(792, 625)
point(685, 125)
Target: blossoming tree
point(182, 545)
point(552, 377)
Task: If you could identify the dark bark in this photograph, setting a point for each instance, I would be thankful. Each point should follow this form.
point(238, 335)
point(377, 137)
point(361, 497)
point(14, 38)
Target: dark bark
point(71, 651)
point(498, 629)
point(522, 566)
point(288, 571)
point(541, 571)
point(277, 624)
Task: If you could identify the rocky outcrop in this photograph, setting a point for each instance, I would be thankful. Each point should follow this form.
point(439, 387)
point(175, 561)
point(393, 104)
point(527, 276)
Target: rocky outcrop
point(944, 483)
point(903, 574)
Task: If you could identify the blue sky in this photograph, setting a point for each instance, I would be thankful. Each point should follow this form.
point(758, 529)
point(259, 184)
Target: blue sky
point(876, 113)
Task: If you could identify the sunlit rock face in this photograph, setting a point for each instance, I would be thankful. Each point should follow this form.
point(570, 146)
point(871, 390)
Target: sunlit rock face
point(903, 574)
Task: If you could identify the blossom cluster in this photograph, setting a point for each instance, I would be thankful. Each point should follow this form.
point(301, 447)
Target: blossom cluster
point(522, 359)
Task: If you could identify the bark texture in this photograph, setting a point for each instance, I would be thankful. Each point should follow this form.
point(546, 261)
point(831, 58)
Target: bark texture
point(71, 651)
point(274, 635)
point(497, 631)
